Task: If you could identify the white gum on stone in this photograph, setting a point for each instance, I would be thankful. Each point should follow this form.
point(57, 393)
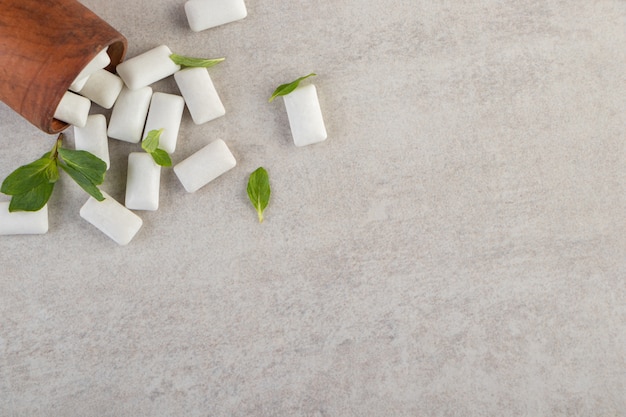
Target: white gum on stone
point(129, 114)
point(93, 137)
point(73, 109)
point(205, 165)
point(142, 182)
point(205, 14)
point(305, 116)
point(23, 222)
point(202, 100)
point(112, 219)
point(147, 68)
point(103, 88)
point(98, 62)
point(166, 112)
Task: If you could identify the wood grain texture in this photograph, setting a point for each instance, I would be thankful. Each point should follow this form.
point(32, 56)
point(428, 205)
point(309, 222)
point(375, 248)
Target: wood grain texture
point(43, 47)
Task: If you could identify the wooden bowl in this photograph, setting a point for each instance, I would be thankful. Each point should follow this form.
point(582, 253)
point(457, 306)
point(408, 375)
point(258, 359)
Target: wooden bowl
point(43, 47)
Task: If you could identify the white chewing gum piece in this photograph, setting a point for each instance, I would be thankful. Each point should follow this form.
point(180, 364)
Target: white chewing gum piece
point(129, 114)
point(205, 14)
point(112, 219)
point(103, 88)
point(166, 112)
point(93, 137)
point(305, 116)
point(202, 100)
point(147, 68)
point(205, 165)
point(23, 222)
point(73, 109)
point(143, 180)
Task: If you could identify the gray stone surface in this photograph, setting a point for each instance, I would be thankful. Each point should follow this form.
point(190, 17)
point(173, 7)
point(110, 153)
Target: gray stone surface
point(455, 248)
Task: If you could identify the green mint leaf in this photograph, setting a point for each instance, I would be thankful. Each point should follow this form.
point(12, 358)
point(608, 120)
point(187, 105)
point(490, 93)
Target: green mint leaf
point(161, 158)
point(284, 89)
point(151, 145)
point(83, 180)
point(151, 142)
point(186, 61)
point(86, 163)
point(32, 200)
point(52, 173)
point(259, 190)
point(29, 176)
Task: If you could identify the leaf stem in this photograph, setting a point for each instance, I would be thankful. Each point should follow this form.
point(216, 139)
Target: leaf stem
point(54, 153)
point(260, 213)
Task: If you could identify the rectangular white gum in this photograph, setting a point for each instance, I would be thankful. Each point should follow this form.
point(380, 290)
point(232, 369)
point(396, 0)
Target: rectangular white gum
point(23, 222)
point(202, 100)
point(73, 109)
point(205, 14)
point(103, 88)
point(205, 165)
point(129, 114)
point(112, 219)
point(143, 181)
point(305, 116)
point(166, 112)
point(93, 137)
point(147, 68)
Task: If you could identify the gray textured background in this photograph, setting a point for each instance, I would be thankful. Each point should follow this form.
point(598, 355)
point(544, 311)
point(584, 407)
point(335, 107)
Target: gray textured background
point(455, 248)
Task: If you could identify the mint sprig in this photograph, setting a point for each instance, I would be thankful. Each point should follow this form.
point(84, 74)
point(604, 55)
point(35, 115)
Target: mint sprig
point(151, 145)
point(259, 190)
point(284, 89)
point(30, 186)
point(191, 62)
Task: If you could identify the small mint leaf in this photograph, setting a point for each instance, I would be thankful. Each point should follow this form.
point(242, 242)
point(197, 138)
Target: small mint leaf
point(284, 89)
point(151, 142)
point(161, 158)
point(259, 190)
point(190, 62)
point(84, 181)
point(89, 165)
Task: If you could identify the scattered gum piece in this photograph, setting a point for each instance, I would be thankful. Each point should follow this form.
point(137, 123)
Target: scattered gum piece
point(166, 112)
point(305, 116)
point(98, 62)
point(147, 68)
point(129, 114)
point(112, 219)
point(205, 14)
point(73, 109)
point(23, 222)
point(142, 182)
point(202, 100)
point(93, 137)
point(205, 165)
point(103, 88)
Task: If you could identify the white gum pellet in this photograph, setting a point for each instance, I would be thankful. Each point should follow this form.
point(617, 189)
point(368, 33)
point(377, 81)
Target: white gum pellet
point(73, 109)
point(142, 182)
point(166, 112)
point(305, 116)
point(129, 114)
point(23, 222)
point(205, 14)
point(202, 100)
point(112, 219)
point(78, 84)
point(147, 68)
point(98, 62)
point(205, 165)
point(93, 137)
point(103, 88)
